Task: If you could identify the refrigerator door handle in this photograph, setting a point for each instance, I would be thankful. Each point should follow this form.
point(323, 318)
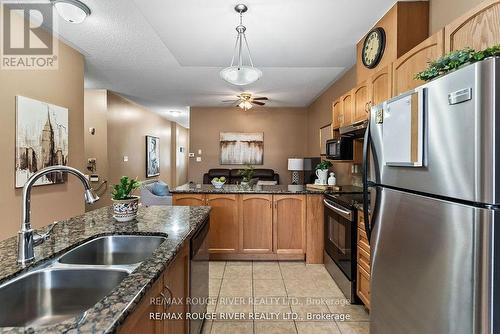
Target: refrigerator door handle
point(366, 213)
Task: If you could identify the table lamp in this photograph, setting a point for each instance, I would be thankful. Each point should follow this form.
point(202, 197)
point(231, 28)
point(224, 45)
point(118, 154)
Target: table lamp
point(295, 165)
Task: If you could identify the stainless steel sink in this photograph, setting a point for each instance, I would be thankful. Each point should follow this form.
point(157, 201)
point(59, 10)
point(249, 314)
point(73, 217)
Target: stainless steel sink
point(113, 250)
point(50, 296)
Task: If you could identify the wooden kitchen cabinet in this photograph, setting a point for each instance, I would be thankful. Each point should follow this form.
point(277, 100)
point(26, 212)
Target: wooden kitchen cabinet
point(189, 199)
point(256, 227)
point(479, 28)
point(379, 86)
point(289, 224)
point(347, 109)
point(174, 285)
point(336, 114)
point(364, 262)
point(224, 223)
point(139, 321)
point(176, 280)
point(360, 102)
point(406, 67)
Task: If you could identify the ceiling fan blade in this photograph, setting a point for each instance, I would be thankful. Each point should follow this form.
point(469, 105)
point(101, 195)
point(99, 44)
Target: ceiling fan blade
point(263, 98)
point(226, 101)
point(257, 103)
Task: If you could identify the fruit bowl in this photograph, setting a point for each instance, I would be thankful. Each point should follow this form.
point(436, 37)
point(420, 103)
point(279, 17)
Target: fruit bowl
point(218, 183)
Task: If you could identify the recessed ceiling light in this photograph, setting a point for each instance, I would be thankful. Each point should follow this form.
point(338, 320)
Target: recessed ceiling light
point(73, 11)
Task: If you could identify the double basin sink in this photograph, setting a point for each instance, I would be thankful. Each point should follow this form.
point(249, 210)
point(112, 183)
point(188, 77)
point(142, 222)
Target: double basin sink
point(74, 282)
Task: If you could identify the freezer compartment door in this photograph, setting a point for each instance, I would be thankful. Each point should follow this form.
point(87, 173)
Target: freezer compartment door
point(443, 138)
point(425, 266)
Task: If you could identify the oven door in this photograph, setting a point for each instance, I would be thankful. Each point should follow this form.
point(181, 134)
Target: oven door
point(340, 237)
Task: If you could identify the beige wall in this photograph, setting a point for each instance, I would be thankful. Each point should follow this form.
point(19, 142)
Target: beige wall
point(284, 136)
point(128, 125)
point(95, 116)
point(442, 12)
point(63, 87)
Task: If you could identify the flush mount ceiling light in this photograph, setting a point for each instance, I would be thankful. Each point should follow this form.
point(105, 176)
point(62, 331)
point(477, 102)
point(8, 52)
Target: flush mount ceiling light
point(73, 11)
point(241, 74)
point(174, 113)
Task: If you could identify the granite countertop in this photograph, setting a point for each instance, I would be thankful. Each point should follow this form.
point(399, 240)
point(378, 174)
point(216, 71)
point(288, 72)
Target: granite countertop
point(178, 223)
point(239, 189)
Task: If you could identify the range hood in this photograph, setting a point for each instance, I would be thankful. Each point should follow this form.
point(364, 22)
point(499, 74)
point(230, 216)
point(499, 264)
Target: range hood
point(356, 130)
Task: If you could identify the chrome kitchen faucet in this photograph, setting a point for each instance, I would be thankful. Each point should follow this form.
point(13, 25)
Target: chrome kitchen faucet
point(27, 237)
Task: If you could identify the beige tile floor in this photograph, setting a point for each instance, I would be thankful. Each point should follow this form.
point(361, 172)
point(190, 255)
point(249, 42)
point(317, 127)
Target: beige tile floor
point(286, 293)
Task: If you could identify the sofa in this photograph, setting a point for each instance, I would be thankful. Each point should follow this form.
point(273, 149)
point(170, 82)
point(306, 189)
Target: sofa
point(150, 195)
point(232, 177)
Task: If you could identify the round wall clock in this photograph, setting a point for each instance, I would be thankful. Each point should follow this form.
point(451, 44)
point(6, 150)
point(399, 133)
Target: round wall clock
point(373, 47)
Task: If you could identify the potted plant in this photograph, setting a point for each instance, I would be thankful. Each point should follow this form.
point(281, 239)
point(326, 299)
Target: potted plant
point(322, 171)
point(247, 173)
point(125, 205)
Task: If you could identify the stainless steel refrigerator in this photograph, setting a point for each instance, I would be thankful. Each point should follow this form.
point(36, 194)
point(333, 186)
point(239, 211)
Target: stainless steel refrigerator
point(432, 156)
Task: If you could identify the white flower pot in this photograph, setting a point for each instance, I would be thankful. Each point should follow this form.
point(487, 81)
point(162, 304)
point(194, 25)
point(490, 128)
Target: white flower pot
point(125, 210)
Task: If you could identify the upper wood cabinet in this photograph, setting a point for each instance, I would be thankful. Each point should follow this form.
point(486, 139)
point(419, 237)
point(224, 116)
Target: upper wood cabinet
point(347, 109)
point(289, 224)
point(360, 102)
point(379, 86)
point(414, 61)
point(256, 227)
point(224, 223)
point(479, 28)
point(336, 114)
point(189, 199)
point(406, 24)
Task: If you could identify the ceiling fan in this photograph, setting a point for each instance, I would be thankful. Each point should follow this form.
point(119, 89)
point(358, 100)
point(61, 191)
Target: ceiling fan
point(245, 101)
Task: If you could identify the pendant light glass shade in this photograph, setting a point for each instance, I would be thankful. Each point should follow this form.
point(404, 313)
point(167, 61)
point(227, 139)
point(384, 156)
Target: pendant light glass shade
point(240, 74)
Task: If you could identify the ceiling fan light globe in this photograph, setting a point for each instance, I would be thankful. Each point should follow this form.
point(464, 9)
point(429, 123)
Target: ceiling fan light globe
point(241, 76)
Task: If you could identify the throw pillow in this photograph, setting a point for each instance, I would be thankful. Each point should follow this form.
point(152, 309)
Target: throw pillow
point(160, 188)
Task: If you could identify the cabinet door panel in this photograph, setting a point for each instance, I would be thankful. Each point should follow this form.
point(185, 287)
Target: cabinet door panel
point(289, 224)
point(380, 86)
point(414, 61)
point(360, 100)
point(256, 219)
point(346, 117)
point(336, 113)
point(139, 321)
point(224, 224)
point(189, 199)
point(176, 282)
point(478, 29)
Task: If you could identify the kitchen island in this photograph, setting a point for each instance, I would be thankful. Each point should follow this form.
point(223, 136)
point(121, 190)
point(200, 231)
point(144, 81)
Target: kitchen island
point(281, 222)
point(126, 308)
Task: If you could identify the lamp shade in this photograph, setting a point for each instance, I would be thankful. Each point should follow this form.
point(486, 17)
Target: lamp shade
point(295, 164)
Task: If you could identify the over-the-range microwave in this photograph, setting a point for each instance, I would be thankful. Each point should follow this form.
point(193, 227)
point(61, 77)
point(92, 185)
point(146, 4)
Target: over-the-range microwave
point(339, 149)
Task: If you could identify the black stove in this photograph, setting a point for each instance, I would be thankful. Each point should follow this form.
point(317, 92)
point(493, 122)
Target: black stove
point(341, 238)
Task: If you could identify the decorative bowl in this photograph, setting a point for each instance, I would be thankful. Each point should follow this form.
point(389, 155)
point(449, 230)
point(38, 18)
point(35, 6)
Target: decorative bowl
point(218, 184)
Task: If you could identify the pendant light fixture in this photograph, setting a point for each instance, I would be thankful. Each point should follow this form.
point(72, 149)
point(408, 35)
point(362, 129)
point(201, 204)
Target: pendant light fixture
point(240, 74)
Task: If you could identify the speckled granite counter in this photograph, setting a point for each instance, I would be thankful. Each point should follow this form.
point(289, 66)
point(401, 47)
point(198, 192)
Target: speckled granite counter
point(178, 223)
point(239, 189)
